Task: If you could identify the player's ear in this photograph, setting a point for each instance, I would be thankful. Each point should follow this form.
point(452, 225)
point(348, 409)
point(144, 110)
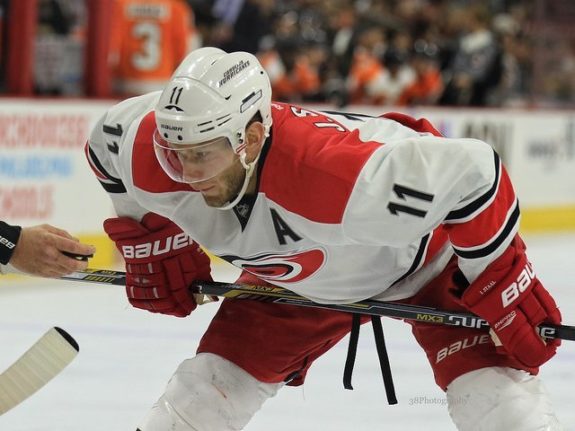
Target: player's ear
point(255, 137)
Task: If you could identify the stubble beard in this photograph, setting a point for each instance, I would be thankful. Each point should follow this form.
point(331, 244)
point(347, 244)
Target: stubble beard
point(230, 184)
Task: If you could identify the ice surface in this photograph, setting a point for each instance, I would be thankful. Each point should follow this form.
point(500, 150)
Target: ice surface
point(126, 357)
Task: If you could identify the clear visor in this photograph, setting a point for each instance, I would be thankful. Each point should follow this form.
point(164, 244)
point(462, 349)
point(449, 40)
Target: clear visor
point(193, 163)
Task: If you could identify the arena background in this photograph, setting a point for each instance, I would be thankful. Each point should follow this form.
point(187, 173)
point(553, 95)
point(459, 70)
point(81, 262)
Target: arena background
point(55, 86)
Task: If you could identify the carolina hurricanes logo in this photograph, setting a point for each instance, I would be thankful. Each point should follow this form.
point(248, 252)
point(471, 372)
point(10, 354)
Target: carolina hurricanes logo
point(282, 268)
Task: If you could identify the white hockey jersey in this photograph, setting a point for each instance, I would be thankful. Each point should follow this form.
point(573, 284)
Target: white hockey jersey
point(348, 206)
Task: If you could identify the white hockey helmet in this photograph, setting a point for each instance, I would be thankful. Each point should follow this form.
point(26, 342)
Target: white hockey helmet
point(205, 108)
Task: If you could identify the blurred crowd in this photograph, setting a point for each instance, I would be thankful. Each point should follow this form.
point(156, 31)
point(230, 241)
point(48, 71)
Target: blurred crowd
point(379, 52)
point(397, 52)
point(393, 52)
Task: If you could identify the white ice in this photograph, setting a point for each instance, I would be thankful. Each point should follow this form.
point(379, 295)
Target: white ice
point(127, 356)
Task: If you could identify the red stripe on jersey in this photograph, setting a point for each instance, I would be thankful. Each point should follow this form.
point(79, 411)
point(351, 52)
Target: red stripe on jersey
point(96, 171)
point(311, 168)
point(488, 222)
point(419, 125)
point(147, 173)
point(438, 240)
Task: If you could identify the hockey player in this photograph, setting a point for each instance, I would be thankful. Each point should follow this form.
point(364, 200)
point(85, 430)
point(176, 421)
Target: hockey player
point(336, 207)
point(40, 250)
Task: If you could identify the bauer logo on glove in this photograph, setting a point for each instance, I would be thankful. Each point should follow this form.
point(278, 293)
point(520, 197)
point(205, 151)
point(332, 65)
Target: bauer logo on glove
point(519, 286)
point(157, 247)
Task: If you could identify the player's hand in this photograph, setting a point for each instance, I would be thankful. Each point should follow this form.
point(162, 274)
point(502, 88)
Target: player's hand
point(161, 263)
point(40, 251)
point(512, 299)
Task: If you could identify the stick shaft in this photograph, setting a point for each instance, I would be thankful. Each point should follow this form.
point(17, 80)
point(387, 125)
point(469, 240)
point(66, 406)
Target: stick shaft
point(280, 295)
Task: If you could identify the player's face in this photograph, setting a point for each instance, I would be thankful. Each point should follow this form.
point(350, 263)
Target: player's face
point(217, 191)
point(222, 188)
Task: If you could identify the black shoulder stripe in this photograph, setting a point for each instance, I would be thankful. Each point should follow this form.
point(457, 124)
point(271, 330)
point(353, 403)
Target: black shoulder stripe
point(98, 165)
point(113, 187)
point(479, 202)
point(418, 257)
point(487, 250)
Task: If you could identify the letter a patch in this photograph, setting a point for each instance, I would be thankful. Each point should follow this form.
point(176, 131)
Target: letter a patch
point(282, 229)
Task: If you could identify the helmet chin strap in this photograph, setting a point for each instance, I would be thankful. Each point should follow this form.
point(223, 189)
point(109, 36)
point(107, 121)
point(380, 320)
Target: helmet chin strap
point(250, 168)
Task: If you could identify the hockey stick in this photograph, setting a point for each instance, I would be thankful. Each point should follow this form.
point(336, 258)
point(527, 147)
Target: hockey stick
point(279, 295)
point(40, 364)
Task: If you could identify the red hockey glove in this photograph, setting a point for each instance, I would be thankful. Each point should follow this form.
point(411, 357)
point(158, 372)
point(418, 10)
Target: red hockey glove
point(511, 298)
point(161, 263)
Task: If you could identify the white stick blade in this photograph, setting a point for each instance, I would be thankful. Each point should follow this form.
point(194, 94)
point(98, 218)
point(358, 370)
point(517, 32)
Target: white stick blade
point(42, 362)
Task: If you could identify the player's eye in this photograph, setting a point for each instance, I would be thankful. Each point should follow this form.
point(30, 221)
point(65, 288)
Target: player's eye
point(195, 156)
